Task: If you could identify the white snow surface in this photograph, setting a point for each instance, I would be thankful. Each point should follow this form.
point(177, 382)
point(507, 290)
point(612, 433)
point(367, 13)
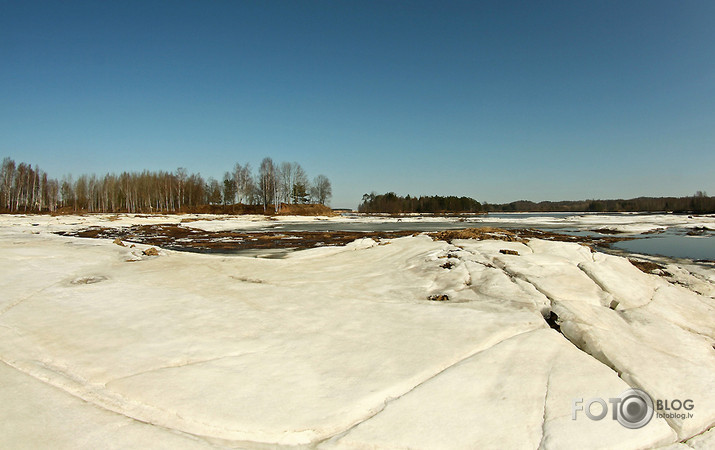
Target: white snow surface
point(103, 347)
point(627, 223)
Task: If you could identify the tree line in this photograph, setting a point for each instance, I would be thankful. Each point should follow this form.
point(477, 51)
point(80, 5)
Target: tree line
point(700, 203)
point(24, 188)
point(393, 203)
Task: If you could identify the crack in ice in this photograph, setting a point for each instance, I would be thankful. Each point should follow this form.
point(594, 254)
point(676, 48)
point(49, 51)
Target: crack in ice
point(389, 400)
point(176, 366)
point(28, 297)
point(546, 397)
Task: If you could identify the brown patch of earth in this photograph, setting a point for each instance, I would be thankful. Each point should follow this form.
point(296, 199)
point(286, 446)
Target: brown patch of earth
point(649, 267)
point(699, 231)
point(523, 236)
point(607, 231)
point(477, 233)
point(176, 237)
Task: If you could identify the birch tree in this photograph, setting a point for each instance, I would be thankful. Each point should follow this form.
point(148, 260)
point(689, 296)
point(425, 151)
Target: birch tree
point(267, 182)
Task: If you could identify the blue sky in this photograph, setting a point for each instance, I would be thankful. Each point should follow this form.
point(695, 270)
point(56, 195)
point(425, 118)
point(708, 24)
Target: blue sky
point(500, 100)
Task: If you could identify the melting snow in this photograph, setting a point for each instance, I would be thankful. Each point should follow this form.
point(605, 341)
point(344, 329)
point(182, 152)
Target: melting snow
point(341, 346)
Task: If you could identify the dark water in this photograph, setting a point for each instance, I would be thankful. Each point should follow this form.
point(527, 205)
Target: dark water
point(674, 246)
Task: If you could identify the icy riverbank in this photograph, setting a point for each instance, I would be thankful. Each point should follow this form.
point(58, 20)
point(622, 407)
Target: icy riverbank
point(102, 346)
point(629, 223)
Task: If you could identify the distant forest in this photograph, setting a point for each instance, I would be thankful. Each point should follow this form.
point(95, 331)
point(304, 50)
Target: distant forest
point(393, 203)
point(27, 189)
point(700, 203)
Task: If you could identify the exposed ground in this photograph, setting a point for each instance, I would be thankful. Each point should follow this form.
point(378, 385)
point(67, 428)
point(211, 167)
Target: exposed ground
point(523, 235)
point(183, 237)
point(176, 237)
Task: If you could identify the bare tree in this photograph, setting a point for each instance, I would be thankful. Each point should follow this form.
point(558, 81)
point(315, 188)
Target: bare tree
point(285, 181)
point(299, 185)
point(7, 178)
point(321, 191)
point(53, 190)
point(27, 188)
point(243, 180)
point(267, 182)
point(213, 192)
point(181, 179)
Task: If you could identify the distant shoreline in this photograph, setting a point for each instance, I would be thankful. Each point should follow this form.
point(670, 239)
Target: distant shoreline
point(390, 202)
point(321, 210)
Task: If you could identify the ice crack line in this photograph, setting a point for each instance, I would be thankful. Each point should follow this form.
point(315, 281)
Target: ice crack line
point(389, 400)
point(142, 412)
point(623, 375)
point(546, 397)
point(27, 297)
point(118, 412)
point(176, 366)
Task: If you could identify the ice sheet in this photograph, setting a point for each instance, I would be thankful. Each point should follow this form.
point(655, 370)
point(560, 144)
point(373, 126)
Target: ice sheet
point(346, 346)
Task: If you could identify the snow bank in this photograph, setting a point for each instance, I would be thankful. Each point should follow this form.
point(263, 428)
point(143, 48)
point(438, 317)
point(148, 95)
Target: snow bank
point(516, 394)
point(408, 342)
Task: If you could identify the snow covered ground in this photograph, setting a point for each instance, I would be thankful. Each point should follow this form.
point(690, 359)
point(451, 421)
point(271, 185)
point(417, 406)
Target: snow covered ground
point(627, 223)
point(341, 347)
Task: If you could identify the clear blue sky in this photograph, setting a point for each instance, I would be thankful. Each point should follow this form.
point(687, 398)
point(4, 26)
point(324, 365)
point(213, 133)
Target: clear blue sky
point(499, 100)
